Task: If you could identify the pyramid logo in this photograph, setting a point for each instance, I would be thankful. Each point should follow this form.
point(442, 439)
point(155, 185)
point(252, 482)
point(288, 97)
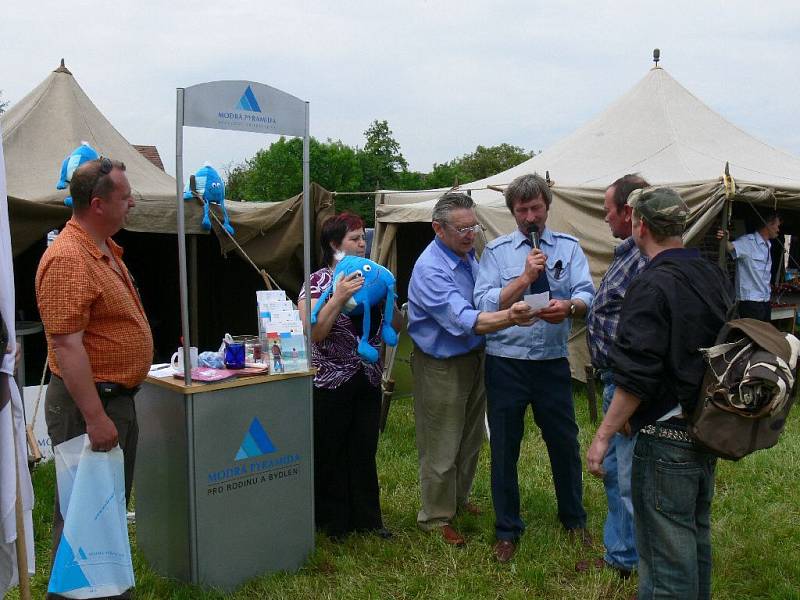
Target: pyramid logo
point(66, 574)
point(82, 554)
point(248, 101)
point(256, 442)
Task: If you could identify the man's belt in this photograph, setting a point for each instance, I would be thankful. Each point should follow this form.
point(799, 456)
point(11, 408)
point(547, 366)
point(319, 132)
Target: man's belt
point(678, 434)
point(107, 389)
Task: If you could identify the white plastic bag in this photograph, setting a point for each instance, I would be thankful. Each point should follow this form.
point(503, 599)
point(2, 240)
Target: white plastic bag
point(93, 559)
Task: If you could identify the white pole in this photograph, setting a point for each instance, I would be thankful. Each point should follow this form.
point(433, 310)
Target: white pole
point(307, 216)
point(187, 358)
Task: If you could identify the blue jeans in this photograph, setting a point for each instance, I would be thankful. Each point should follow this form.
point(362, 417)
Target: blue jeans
point(618, 534)
point(673, 485)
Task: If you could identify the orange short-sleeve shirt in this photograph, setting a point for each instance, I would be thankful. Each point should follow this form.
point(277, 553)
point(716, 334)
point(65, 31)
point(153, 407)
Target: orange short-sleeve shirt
point(77, 289)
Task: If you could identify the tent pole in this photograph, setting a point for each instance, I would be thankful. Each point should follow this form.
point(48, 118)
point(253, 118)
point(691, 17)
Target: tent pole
point(730, 191)
point(20, 544)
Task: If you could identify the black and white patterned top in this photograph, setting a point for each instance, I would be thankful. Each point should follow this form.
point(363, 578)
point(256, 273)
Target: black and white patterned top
point(336, 357)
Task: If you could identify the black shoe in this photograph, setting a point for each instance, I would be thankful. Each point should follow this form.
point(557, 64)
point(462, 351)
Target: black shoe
point(383, 533)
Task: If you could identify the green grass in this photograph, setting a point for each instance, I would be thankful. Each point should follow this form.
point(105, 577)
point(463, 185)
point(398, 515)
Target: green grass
point(756, 534)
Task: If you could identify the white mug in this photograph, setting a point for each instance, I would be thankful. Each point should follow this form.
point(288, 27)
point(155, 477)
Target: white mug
point(177, 358)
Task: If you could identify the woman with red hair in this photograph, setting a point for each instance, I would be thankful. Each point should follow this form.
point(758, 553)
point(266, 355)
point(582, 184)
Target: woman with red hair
point(346, 394)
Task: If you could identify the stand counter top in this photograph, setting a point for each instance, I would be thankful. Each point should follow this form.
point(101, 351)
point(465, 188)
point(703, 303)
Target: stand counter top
point(177, 384)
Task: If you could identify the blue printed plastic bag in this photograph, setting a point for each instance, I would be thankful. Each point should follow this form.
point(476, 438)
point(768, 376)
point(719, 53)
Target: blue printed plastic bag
point(93, 559)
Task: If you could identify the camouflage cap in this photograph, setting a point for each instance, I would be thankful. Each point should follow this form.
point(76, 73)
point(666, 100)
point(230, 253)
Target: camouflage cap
point(661, 208)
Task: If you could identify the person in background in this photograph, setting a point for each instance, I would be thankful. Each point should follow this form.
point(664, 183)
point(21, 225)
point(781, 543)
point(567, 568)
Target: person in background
point(99, 341)
point(601, 327)
point(658, 371)
point(529, 366)
point(754, 266)
point(347, 394)
point(447, 363)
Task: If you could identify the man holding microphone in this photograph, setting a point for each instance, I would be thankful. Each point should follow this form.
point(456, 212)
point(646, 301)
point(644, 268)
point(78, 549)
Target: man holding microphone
point(529, 366)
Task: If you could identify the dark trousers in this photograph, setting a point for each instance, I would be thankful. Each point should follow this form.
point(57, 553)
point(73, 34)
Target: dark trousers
point(545, 385)
point(65, 421)
point(755, 310)
point(346, 493)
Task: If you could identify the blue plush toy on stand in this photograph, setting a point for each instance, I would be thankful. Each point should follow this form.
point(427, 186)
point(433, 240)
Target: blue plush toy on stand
point(81, 154)
point(210, 188)
point(378, 285)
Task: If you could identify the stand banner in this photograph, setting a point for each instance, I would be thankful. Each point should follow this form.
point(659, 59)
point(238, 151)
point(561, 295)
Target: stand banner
point(243, 106)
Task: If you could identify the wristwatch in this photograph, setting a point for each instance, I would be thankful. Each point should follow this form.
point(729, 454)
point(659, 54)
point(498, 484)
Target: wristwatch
point(572, 307)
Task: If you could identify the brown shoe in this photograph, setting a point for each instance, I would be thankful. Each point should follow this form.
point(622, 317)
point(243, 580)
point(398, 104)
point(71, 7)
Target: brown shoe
point(582, 535)
point(587, 564)
point(504, 550)
point(451, 536)
point(471, 508)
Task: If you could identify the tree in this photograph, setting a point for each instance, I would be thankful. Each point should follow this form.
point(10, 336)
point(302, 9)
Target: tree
point(3, 103)
point(381, 160)
point(479, 164)
point(276, 173)
point(494, 159)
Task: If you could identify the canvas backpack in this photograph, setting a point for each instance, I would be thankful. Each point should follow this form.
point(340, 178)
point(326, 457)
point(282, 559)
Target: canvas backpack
point(747, 390)
point(748, 386)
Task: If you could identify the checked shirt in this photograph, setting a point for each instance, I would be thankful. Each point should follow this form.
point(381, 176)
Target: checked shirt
point(601, 324)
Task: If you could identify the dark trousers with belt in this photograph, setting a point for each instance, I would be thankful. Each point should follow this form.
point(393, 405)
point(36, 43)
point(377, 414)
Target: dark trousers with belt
point(65, 421)
point(545, 385)
point(749, 309)
point(346, 492)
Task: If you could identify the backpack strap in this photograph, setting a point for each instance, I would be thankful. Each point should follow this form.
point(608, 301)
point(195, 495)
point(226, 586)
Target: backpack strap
point(731, 307)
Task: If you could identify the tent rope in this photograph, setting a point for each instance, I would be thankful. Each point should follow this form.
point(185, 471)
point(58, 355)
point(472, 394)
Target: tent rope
point(268, 280)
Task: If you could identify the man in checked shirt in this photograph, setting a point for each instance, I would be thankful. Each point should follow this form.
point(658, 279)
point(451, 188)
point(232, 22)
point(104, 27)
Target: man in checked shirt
point(98, 337)
point(601, 325)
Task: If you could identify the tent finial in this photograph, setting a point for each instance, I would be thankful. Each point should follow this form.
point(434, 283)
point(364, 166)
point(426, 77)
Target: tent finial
point(62, 68)
point(656, 56)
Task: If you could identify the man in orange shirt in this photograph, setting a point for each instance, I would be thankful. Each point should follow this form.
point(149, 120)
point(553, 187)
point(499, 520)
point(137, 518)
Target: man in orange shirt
point(99, 340)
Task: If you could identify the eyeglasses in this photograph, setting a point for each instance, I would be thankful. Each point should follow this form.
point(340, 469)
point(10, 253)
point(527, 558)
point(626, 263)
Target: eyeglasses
point(464, 231)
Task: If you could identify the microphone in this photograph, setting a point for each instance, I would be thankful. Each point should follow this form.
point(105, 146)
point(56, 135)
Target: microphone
point(533, 231)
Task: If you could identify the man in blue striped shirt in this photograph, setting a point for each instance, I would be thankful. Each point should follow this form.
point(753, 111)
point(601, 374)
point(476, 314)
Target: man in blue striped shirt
point(447, 364)
point(601, 327)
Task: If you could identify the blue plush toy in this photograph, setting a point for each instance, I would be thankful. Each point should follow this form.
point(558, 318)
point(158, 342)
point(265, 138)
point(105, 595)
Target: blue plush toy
point(210, 188)
point(378, 285)
point(77, 157)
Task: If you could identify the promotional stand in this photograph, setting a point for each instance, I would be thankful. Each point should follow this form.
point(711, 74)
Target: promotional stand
point(224, 473)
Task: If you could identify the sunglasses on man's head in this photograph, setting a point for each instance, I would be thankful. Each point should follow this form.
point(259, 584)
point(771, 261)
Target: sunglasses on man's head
point(106, 166)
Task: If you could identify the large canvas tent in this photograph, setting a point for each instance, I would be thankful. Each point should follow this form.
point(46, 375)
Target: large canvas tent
point(658, 129)
point(42, 128)
point(55, 117)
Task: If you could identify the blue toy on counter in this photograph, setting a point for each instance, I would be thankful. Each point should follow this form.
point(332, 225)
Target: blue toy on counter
point(209, 188)
point(378, 285)
point(81, 154)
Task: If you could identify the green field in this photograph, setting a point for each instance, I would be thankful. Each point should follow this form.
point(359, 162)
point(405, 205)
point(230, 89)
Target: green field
point(756, 534)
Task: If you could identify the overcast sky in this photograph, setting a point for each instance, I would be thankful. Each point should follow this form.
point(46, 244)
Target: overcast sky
point(446, 75)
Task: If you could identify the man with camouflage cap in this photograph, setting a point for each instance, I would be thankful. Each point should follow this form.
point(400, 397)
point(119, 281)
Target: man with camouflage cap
point(675, 306)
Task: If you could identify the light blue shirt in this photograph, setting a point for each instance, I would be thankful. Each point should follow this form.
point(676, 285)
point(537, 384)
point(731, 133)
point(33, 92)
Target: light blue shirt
point(502, 261)
point(753, 267)
point(441, 315)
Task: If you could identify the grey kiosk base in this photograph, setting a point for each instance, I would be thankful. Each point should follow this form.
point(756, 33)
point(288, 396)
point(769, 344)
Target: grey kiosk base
point(224, 477)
